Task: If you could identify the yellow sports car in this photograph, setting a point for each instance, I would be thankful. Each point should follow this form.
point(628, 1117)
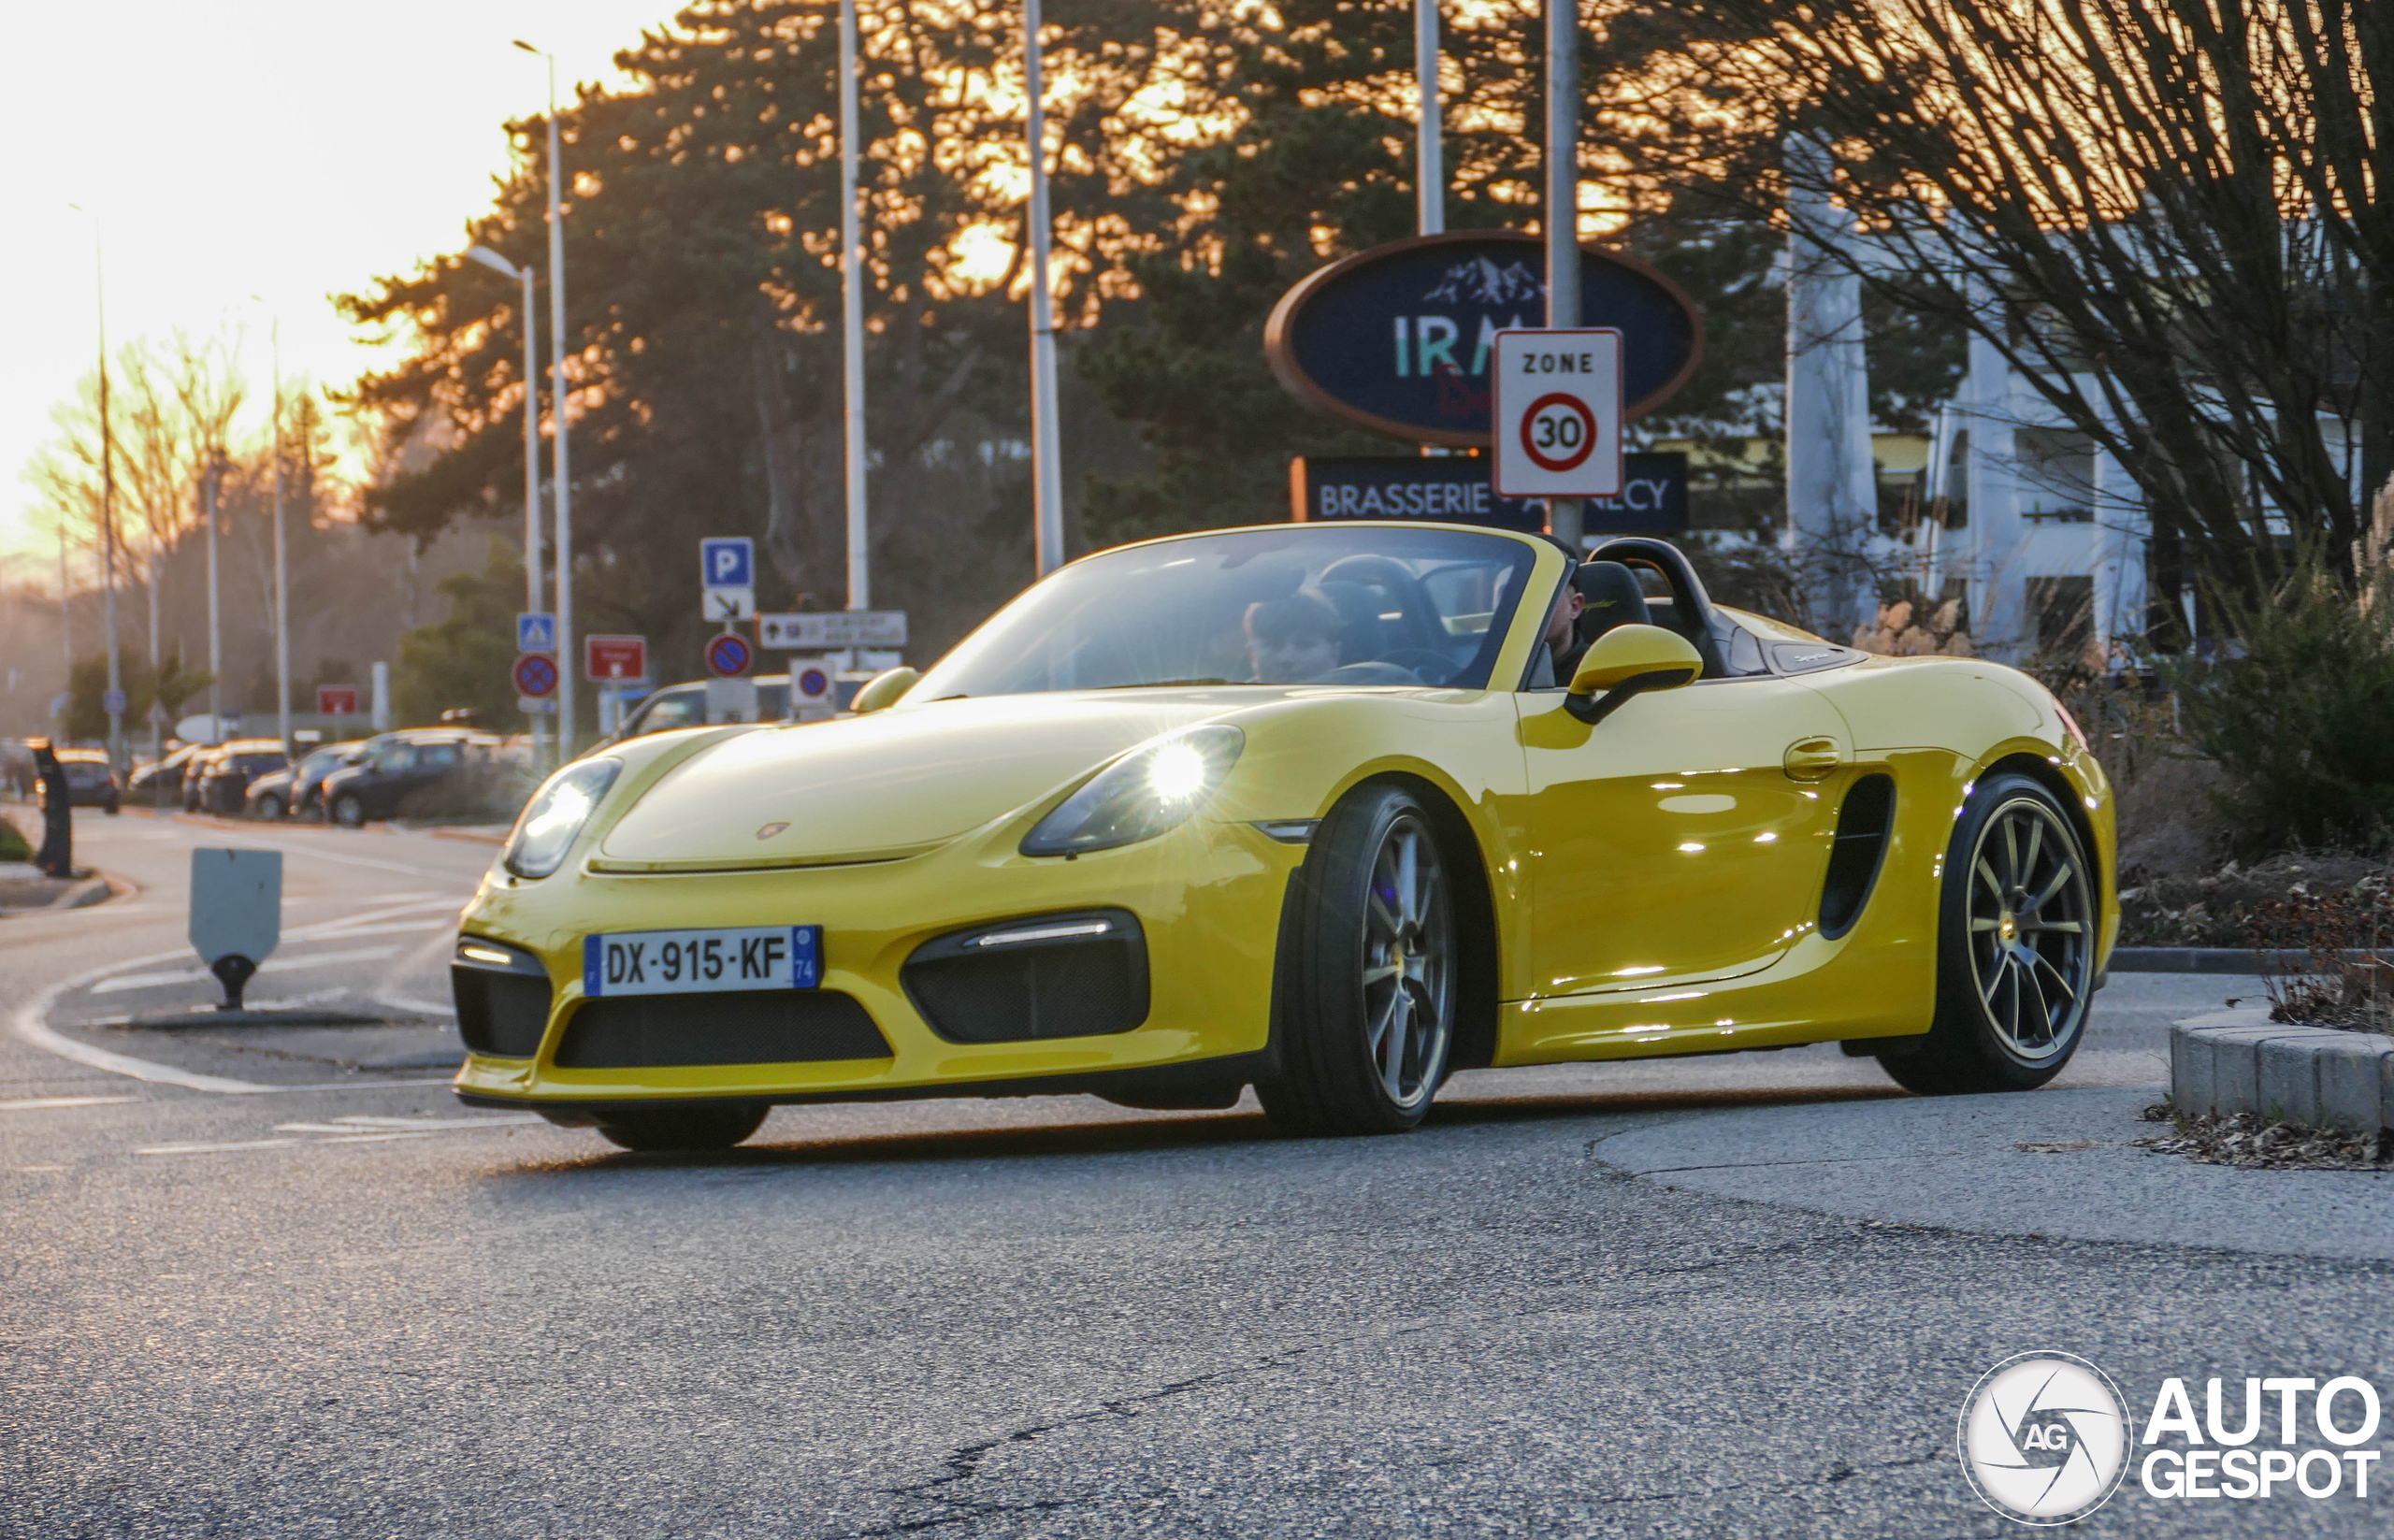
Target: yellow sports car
point(1327, 810)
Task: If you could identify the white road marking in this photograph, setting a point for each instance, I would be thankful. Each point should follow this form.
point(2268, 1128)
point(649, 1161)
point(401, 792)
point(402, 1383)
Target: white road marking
point(391, 928)
point(255, 843)
point(386, 993)
point(488, 1121)
point(272, 965)
point(213, 1149)
point(35, 1103)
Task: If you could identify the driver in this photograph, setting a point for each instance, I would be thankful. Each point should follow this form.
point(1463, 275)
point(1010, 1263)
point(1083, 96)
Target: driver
point(1292, 639)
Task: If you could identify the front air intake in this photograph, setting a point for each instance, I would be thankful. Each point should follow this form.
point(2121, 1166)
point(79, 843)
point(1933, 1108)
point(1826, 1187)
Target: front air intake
point(502, 996)
point(732, 1026)
point(1081, 974)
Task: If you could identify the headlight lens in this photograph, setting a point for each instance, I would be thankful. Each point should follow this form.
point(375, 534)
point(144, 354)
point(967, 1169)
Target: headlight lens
point(555, 814)
point(1149, 791)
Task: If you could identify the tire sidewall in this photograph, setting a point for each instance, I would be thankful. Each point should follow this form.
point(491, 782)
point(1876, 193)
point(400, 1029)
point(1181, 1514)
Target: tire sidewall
point(1332, 1047)
point(1962, 1016)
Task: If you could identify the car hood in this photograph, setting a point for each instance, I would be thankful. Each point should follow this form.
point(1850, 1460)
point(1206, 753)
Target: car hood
point(887, 784)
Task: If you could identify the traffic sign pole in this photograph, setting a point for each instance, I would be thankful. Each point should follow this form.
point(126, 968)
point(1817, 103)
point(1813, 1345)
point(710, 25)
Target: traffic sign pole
point(1562, 210)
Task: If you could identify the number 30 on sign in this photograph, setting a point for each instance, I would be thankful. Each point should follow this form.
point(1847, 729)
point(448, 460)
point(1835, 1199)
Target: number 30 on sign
point(1558, 414)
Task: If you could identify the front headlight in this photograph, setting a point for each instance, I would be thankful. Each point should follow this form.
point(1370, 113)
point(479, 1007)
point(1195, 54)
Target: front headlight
point(555, 814)
point(1149, 791)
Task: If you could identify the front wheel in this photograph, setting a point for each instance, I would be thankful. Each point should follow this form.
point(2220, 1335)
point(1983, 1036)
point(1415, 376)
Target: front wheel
point(2015, 948)
point(348, 812)
point(716, 1127)
point(270, 807)
point(1371, 1016)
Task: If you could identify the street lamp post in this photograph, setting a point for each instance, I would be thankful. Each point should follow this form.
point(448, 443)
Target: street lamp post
point(213, 485)
point(497, 263)
point(852, 317)
point(282, 566)
point(108, 503)
point(1429, 162)
point(561, 416)
point(1046, 453)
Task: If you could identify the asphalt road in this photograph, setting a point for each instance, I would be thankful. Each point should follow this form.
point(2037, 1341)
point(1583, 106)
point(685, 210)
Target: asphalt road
point(286, 1287)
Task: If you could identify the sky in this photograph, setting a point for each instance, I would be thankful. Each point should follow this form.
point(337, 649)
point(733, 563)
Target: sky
point(277, 149)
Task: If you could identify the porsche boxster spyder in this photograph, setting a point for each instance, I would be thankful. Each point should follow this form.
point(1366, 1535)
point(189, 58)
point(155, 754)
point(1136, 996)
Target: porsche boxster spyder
point(1327, 810)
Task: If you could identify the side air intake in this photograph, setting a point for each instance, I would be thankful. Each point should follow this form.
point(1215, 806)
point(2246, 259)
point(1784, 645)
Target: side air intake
point(1864, 821)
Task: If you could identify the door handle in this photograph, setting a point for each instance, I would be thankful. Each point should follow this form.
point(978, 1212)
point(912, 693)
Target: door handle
point(1812, 758)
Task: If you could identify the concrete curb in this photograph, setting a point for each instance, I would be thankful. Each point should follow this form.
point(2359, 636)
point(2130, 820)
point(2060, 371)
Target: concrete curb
point(2238, 1061)
point(2213, 959)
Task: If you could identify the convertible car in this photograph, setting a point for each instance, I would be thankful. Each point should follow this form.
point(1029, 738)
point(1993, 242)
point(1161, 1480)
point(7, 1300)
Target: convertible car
point(1306, 808)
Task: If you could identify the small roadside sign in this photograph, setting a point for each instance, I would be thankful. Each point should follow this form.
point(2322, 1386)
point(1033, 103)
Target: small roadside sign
point(1557, 412)
point(536, 632)
point(727, 561)
point(236, 914)
point(534, 675)
point(828, 628)
point(532, 705)
point(158, 717)
point(608, 660)
point(113, 702)
point(729, 656)
point(719, 604)
point(337, 700)
point(812, 696)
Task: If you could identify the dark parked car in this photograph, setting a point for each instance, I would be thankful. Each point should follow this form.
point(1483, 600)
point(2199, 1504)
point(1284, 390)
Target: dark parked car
point(90, 781)
point(419, 771)
point(297, 791)
point(221, 783)
point(686, 705)
point(162, 781)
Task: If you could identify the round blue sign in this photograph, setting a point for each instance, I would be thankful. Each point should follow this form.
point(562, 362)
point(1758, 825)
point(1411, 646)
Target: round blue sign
point(729, 656)
point(1400, 337)
point(535, 675)
point(814, 682)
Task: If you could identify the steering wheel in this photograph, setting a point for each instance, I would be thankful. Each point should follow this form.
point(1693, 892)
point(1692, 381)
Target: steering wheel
point(1412, 600)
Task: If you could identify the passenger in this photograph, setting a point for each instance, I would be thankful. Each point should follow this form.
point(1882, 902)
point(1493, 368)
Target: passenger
point(1292, 639)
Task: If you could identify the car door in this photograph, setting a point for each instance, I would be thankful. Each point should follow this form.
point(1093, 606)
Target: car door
point(1685, 837)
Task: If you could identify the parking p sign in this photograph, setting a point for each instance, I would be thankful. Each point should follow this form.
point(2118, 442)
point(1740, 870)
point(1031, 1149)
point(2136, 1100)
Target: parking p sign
point(1558, 395)
point(727, 561)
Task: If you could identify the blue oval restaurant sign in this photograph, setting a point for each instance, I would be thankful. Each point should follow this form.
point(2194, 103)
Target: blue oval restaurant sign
point(1399, 338)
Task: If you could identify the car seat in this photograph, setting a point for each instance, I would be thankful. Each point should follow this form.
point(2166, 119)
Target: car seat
point(1611, 595)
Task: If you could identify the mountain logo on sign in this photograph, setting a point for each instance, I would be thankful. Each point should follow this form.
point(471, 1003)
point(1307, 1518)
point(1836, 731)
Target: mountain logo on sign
point(1480, 282)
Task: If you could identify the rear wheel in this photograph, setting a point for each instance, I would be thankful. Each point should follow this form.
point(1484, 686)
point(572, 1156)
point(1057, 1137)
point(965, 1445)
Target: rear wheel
point(1371, 1018)
point(2015, 960)
point(716, 1126)
point(270, 806)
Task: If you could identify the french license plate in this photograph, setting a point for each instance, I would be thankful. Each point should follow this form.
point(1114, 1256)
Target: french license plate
point(693, 962)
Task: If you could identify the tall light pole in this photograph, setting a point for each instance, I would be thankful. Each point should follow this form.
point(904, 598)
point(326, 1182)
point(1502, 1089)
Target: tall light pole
point(561, 418)
point(1562, 206)
point(497, 263)
point(66, 612)
point(281, 567)
point(107, 502)
point(1429, 162)
point(852, 315)
point(1046, 469)
point(212, 488)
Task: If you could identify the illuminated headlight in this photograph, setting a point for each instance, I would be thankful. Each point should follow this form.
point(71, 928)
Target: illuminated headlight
point(555, 814)
point(1150, 791)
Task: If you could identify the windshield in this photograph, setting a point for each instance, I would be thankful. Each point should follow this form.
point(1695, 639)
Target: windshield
point(1306, 604)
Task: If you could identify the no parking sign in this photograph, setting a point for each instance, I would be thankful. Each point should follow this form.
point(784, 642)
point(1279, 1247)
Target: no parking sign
point(1557, 413)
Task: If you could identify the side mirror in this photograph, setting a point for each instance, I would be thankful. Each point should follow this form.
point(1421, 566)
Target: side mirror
point(1629, 660)
point(884, 690)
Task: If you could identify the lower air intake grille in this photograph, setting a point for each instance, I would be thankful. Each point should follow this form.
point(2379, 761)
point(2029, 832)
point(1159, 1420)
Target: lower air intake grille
point(502, 1015)
point(736, 1027)
point(1052, 975)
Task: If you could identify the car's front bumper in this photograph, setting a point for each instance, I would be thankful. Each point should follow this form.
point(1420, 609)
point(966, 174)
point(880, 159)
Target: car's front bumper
point(1208, 897)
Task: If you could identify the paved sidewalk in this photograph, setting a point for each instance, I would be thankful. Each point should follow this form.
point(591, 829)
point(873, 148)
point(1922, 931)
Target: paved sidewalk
point(2048, 1163)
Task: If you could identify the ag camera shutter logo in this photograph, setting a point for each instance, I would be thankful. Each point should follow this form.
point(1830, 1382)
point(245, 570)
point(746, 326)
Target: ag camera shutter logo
point(2044, 1438)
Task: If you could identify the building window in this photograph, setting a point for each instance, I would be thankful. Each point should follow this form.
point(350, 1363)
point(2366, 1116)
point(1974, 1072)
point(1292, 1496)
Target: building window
point(2056, 472)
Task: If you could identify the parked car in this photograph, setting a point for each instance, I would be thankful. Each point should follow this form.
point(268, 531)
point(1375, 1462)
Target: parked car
point(91, 782)
point(418, 771)
point(221, 783)
point(297, 791)
point(162, 781)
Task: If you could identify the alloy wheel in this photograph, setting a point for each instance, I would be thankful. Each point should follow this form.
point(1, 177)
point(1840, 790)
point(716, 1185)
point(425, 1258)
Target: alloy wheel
point(2031, 937)
point(1408, 971)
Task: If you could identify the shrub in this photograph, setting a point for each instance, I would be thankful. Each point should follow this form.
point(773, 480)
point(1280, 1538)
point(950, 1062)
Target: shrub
point(2297, 710)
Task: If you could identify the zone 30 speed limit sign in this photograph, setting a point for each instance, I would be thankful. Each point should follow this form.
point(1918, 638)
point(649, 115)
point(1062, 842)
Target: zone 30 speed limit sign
point(1558, 414)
